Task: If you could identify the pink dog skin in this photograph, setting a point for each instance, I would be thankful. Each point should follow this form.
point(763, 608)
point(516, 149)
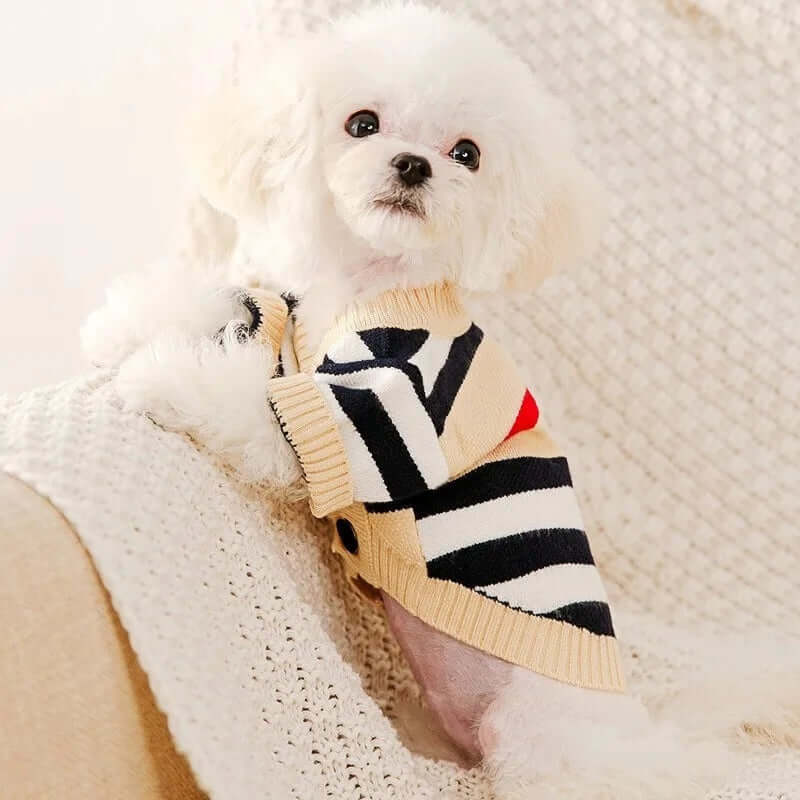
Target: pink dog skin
point(458, 681)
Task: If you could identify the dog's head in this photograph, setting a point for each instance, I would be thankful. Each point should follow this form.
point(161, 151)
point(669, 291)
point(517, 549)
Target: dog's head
point(425, 139)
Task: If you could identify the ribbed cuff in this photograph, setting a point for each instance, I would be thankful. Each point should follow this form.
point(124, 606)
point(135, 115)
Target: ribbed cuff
point(270, 313)
point(314, 435)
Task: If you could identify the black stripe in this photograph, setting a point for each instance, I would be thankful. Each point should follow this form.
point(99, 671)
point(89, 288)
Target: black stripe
point(291, 301)
point(329, 367)
point(509, 557)
point(591, 615)
point(387, 448)
point(487, 482)
point(394, 342)
point(451, 376)
point(255, 312)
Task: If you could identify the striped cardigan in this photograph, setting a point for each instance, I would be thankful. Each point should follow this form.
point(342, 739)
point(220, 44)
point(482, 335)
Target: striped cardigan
point(420, 439)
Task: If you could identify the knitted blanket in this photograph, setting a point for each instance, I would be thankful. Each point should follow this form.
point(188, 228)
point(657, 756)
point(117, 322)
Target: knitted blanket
point(671, 370)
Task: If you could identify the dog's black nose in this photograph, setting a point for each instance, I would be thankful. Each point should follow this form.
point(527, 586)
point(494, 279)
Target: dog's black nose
point(412, 169)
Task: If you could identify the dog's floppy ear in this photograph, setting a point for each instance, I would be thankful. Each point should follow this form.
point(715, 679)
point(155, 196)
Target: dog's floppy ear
point(243, 144)
point(572, 212)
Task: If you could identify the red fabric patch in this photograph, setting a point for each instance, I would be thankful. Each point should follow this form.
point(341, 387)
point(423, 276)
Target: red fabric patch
point(527, 417)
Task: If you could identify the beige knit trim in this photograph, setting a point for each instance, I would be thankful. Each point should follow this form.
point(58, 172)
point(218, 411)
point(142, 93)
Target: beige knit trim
point(546, 646)
point(315, 437)
point(305, 355)
point(436, 307)
point(399, 528)
point(274, 314)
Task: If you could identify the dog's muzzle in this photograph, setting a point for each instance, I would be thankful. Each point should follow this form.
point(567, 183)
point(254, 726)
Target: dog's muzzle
point(401, 202)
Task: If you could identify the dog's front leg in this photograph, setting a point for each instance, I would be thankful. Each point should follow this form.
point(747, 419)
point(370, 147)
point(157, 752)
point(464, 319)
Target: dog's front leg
point(214, 389)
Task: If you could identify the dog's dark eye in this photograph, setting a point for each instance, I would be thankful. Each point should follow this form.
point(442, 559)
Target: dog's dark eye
point(362, 123)
point(467, 153)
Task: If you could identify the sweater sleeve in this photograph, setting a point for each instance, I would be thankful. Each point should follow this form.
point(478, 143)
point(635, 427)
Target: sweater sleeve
point(392, 413)
point(312, 431)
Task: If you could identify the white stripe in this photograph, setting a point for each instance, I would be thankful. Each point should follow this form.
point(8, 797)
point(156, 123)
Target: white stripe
point(538, 508)
point(402, 404)
point(430, 358)
point(368, 485)
point(350, 348)
point(550, 588)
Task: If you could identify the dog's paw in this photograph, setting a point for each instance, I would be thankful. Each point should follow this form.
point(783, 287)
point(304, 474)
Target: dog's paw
point(184, 382)
point(589, 745)
point(216, 391)
point(647, 771)
point(756, 700)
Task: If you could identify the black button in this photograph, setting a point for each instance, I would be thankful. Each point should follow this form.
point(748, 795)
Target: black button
point(347, 535)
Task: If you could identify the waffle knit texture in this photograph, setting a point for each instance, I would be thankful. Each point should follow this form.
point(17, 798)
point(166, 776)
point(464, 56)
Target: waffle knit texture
point(421, 439)
point(669, 370)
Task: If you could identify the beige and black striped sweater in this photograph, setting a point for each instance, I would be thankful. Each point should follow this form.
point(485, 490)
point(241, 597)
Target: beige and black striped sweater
point(422, 442)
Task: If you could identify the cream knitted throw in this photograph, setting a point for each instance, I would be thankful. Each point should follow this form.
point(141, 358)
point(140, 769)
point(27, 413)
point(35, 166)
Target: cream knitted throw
point(671, 369)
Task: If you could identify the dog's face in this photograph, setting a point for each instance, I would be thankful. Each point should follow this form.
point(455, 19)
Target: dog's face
point(416, 134)
point(432, 144)
point(412, 148)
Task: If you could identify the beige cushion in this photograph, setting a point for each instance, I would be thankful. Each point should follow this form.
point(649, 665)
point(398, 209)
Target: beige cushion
point(77, 717)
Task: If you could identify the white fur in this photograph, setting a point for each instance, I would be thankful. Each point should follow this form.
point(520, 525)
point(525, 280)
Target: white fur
point(217, 393)
point(276, 158)
point(573, 744)
point(140, 305)
point(749, 692)
point(275, 155)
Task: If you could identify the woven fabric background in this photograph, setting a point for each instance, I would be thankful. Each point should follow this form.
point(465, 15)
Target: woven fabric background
point(669, 368)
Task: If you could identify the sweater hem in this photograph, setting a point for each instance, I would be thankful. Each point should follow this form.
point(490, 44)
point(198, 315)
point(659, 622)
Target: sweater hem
point(546, 646)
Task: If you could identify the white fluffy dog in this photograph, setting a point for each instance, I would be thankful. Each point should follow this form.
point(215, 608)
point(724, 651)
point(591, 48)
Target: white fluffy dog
point(312, 162)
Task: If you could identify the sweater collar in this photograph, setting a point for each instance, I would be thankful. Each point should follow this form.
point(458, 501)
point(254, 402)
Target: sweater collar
point(407, 307)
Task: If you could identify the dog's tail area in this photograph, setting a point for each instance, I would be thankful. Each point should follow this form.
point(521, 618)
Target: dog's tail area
point(750, 693)
point(585, 745)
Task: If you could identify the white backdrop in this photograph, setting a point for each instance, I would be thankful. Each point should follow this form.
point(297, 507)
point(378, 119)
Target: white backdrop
point(90, 93)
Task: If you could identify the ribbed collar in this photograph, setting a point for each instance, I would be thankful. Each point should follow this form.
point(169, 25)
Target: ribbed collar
point(412, 307)
point(405, 307)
